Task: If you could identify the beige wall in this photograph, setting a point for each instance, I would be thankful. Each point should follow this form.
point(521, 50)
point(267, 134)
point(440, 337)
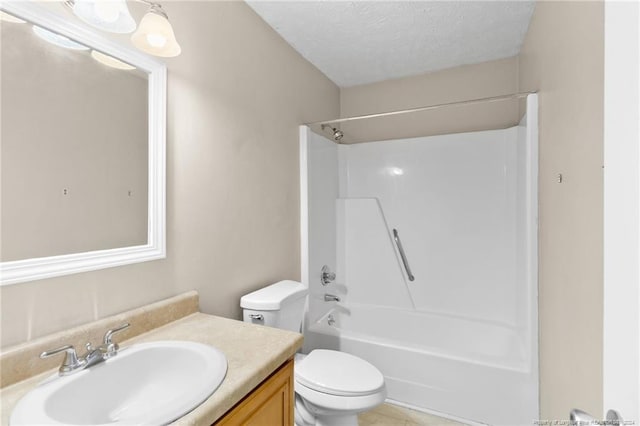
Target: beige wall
point(456, 84)
point(236, 97)
point(563, 58)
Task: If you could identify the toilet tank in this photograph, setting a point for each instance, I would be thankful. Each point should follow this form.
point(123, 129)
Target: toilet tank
point(280, 305)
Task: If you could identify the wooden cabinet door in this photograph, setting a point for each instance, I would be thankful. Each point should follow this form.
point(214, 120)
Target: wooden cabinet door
point(270, 404)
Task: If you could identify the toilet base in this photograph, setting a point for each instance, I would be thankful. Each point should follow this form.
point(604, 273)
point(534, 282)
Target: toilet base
point(348, 420)
point(305, 417)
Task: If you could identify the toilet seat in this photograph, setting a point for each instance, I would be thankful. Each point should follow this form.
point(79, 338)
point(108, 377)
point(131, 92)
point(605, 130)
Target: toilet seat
point(337, 373)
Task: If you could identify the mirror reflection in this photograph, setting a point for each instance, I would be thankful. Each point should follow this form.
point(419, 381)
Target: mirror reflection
point(74, 152)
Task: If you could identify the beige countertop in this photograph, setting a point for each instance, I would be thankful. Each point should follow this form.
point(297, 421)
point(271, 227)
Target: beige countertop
point(253, 352)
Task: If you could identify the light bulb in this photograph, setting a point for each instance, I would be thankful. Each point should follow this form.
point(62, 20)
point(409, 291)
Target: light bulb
point(110, 61)
point(107, 11)
point(155, 34)
point(156, 40)
point(58, 39)
point(106, 15)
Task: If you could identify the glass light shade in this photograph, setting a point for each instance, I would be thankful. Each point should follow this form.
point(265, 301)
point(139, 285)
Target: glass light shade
point(57, 39)
point(155, 36)
point(110, 61)
point(106, 15)
point(10, 18)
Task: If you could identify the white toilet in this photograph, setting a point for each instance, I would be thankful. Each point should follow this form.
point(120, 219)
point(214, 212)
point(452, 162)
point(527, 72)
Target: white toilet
point(331, 387)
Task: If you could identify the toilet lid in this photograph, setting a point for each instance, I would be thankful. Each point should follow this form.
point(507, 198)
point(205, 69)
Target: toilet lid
point(338, 373)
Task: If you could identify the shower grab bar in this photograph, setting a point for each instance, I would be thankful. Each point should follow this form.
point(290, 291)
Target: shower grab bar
point(407, 268)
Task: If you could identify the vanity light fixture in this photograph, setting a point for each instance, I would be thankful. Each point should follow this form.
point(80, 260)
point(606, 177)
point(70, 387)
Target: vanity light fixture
point(154, 34)
point(67, 43)
point(110, 61)
point(10, 18)
point(107, 15)
point(57, 39)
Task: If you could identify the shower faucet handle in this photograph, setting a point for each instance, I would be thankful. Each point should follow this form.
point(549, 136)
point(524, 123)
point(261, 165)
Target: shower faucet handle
point(326, 275)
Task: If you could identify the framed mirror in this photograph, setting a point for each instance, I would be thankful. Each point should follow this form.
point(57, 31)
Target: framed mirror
point(83, 148)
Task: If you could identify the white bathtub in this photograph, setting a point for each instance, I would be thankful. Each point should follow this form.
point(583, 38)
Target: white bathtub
point(459, 367)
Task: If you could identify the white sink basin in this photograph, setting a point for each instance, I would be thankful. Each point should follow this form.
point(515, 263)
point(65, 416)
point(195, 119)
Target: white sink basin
point(145, 384)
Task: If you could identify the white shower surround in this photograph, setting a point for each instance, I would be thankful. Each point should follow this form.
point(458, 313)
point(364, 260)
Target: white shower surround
point(462, 338)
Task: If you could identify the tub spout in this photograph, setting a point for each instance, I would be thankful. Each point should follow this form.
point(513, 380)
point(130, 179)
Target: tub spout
point(331, 298)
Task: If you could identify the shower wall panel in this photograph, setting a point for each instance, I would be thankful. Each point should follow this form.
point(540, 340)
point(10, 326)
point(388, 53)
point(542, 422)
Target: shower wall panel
point(319, 187)
point(367, 258)
point(454, 200)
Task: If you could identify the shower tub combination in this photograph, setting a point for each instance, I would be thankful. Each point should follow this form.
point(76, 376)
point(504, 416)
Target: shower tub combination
point(460, 338)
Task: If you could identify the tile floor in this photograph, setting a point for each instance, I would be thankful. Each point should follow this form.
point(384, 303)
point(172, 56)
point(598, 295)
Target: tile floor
point(392, 415)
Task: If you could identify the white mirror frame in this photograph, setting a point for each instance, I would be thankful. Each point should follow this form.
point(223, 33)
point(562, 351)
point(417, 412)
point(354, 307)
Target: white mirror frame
point(46, 267)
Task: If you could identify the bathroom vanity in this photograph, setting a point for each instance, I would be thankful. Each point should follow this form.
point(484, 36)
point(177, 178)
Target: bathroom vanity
point(258, 384)
point(270, 403)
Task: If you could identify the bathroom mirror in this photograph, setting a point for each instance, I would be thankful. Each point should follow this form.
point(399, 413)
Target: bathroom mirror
point(83, 148)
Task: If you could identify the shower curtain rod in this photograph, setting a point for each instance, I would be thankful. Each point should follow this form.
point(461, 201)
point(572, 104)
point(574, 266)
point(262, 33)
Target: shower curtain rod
point(424, 108)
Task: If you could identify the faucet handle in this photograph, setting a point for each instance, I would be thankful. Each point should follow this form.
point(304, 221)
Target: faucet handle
point(71, 362)
point(90, 349)
point(326, 276)
point(109, 348)
point(109, 334)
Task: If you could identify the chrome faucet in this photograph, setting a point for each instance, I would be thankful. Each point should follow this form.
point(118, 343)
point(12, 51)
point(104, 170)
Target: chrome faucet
point(331, 298)
point(109, 348)
point(72, 363)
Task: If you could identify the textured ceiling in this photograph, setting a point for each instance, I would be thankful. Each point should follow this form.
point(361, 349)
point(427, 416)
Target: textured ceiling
point(358, 42)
